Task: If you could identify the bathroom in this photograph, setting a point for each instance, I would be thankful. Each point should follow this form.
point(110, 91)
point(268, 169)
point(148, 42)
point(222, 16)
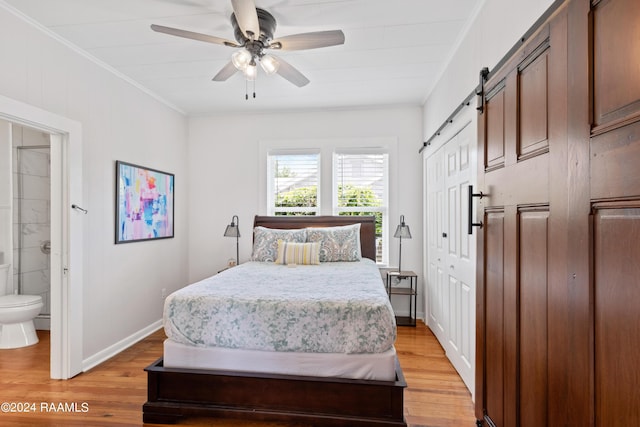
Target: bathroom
point(25, 214)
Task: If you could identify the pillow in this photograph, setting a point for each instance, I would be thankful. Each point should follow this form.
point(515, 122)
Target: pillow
point(337, 243)
point(307, 253)
point(265, 242)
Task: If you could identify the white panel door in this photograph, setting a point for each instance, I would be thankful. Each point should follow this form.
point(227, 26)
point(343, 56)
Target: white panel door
point(461, 265)
point(436, 261)
point(450, 263)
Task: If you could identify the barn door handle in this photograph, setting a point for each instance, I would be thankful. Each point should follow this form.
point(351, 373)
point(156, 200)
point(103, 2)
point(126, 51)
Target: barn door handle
point(471, 196)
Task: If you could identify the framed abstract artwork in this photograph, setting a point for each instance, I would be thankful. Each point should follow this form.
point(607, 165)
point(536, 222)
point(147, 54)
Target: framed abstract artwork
point(144, 203)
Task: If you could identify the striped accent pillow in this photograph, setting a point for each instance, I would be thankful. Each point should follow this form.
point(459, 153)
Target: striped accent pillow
point(298, 253)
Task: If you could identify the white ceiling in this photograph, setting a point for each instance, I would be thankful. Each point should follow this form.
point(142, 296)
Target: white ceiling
point(393, 54)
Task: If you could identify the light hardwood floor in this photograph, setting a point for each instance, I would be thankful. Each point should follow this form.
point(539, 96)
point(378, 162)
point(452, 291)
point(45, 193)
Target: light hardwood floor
point(112, 394)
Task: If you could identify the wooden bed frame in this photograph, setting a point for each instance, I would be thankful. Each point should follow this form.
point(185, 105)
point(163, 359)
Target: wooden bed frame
point(174, 393)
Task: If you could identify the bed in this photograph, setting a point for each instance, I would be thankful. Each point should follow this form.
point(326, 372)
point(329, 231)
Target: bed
point(310, 355)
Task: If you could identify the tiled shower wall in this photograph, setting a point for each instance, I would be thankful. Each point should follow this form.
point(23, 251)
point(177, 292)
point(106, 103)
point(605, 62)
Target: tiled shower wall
point(31, 213)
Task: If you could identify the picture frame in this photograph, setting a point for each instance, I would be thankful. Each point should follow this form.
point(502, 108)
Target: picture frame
point(144, 203)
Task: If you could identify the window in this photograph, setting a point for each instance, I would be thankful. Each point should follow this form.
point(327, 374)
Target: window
point(360, 187)
point(337, 176)
point(294, 180)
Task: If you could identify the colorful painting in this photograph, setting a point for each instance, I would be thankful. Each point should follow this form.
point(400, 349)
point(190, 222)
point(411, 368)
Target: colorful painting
point(144, 203)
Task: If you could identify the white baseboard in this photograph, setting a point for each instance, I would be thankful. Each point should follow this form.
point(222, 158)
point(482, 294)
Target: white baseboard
point(109, 352)
point(42, 323)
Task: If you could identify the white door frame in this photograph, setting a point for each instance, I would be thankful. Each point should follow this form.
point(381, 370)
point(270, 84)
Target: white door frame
point(66, 231)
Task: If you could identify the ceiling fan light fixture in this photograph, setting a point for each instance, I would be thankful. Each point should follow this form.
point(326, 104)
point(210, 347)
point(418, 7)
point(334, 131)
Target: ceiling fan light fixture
point(250, 71)
point(241, 59)
point(269, 64)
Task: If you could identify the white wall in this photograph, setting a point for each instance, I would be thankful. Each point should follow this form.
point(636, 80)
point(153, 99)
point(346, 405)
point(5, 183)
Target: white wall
point(497, 27)
point(122, 284)
point(225, 180)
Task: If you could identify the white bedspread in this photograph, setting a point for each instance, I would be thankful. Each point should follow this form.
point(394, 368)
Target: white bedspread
point(338, 307)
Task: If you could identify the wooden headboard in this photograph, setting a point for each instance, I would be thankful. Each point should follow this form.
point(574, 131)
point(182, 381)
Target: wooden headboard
point(367, 227)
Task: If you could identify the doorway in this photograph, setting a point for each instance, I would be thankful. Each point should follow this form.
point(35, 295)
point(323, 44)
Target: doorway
point(32, 221)
point(66, 229)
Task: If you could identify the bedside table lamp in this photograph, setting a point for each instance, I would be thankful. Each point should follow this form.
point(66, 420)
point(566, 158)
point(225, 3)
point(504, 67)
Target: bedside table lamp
point(401, 232)
point(232, 230)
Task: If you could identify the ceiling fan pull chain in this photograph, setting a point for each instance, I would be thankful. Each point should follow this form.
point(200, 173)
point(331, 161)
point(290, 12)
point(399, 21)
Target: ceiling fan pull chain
point(246, 90)
point(254, 89)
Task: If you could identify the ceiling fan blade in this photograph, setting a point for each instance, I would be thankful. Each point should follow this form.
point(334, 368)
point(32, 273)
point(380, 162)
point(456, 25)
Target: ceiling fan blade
point(309, 40)
point(247, 17)
point(290, 73)
point(226, 72)
point(194, 36)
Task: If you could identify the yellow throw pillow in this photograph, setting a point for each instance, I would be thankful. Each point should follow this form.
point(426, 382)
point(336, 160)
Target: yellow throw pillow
point(298, 253)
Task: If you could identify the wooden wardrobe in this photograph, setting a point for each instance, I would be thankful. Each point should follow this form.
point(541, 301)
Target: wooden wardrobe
point(558, 277)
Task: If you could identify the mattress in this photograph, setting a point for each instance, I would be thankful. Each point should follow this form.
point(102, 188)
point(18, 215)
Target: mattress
point(363, 366)
point(337, 307)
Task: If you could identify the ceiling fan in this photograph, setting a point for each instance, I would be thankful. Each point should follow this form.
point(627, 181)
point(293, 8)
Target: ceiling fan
point(253, 30)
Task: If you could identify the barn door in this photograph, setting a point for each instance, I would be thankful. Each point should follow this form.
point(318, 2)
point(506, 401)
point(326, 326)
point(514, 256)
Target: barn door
point(615, 195)
point(451, 250)
point(519, 127)
point(558, 264)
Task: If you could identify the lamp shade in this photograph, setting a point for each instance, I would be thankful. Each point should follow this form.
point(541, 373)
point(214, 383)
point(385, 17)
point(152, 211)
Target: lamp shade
point(232, 229)
point(402, 231)
point(251, 71)
point(241, 59)
point(269, 64)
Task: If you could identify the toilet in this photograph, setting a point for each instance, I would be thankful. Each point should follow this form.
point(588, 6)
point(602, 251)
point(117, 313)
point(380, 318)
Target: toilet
point(16, 315)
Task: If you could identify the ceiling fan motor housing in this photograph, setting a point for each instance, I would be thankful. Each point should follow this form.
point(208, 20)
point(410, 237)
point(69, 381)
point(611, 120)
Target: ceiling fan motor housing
point(267, 25)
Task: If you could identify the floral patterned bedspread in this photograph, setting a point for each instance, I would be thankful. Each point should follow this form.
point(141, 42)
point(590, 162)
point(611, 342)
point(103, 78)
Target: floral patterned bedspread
point(336, 307)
